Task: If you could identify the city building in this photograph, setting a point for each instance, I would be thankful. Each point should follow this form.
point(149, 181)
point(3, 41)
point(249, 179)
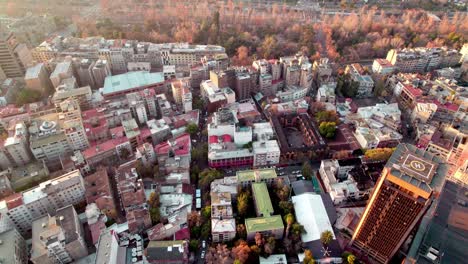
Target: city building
point(58, 238)
point(422, 59)
point(37, 78)
point(82, 94)
point(101, 69)
point(213, 95)
point(326, 93)
point(63, 70)
point(162, 252)
point(84, 72)
point(139, 66)
point(311, 142)
point(11, 64)
point(46, 198)
point(311, 211)
point(13, 247)
point(223, 230)
point(267, 226)
point(266, 153)
point(359, 75)
point(145, 154)
point(382, 66)
point(441, 235)
point(402, 195)
point(99, 191)
point(160, 130)
point(119, 85)
point(14, 150)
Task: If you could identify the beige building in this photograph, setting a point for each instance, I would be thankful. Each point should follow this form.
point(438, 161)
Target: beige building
point(37, 78)
point(11, 53)
point(59, 238)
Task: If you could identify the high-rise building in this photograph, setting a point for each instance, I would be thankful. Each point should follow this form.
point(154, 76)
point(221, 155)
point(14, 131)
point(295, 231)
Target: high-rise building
point(10, 62)
point(101, 70)
point(62, 71)
point(84, 70)
point(409, 182)
point(243, 86)
point(15, 148)
point(59, 238)
point(37, 78)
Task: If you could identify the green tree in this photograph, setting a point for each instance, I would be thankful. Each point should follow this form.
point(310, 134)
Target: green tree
point(206, 212)
point(327, 129)
point(286, 207)
point(307, 170)
point(207, 176)
point(205, 230)
point(297, 229)
point(193, 245)
point(269, 47)
point(289, 219)
point(124, 153)
point(326, 116)
point(192, 129)
point(27, 96)
point(326, 237)
point(351, 259)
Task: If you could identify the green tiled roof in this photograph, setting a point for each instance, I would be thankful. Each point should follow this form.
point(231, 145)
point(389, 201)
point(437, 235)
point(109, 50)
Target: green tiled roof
point(262, 198)
point(261, 224)
point(249, 175)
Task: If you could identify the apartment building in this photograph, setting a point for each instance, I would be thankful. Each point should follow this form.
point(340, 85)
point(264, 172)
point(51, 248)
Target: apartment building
point(14, 151)
point(98, 191)
point(46, 198)
point(101, 69)
point(63, 70)
point(11, 64)
point(58, 238)
point(358, 74)
point(423, 59)
point(37, 78)
point(13, 248)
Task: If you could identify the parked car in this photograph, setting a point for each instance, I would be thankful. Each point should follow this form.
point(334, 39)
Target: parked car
point(202, 256)
point(203, 244)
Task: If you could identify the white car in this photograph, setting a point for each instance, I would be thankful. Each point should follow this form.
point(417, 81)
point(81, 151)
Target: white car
point(203, 244)
point(202, 255)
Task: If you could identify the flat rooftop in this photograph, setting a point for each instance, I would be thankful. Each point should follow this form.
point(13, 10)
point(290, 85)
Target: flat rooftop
point(262, 198)
point(252, 175)
point(131, 80)
point(261, 224)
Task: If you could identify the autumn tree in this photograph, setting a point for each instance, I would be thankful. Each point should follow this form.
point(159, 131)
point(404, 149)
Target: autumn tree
point(270, 245)
point(241, 251)
point(289, 219)
point(379, 154)
point(241, 231)
point(308, 258)
point(243, 200)
point(326, 237)
point(218, 255)
point(153, 204)
point(286, 207)
point(326, 116)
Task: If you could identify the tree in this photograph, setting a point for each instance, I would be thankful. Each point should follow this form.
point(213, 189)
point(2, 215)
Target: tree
point(326, 116)
point(207, 176)
point(193, 245)
point(259, 239)
point(243, 203)
point(193, 219)
point(124, 153)
point(379, 154)
point(307, 170)
point(307, 38)
point(297, 229)
point(241, 251)
point(206, 212)
point(192, 129)
point(289, 219)
point(205, 230)
point(326, 237)
point(218, 255)
point(308, 258)
point(27, 96)
point(154, 203)
point(241, 231)
point(270, 245)
point(286, 207)
point(269, 47)
point(351, 259)
point(327, 129)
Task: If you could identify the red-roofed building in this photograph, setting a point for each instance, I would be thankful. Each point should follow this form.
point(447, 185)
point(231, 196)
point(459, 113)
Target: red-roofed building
point(96, 125)
point(106, 152)
point(183, 234)
point(179, 146)
point(132, 197)
point(14, 200)
point(98, 190)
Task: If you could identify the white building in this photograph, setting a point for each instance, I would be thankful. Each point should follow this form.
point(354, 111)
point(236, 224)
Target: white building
point(326, 93)
point(46, 198)
point(266, 153)
point(145, 153)
point(366, 84)
point(13, 248)
point(139, 66)
point(291, 93)
point(223, 230)
point(15, 151)
point(382, 66)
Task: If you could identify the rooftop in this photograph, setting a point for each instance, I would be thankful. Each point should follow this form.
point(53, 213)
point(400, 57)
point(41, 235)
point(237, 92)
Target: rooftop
point(261, 224)
point(417, 167)
point(131, 80)
point(166, 250)
point(33, 72)
point(252, 175)
point(262, 198)
point(223, 225)
point(311, 213)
